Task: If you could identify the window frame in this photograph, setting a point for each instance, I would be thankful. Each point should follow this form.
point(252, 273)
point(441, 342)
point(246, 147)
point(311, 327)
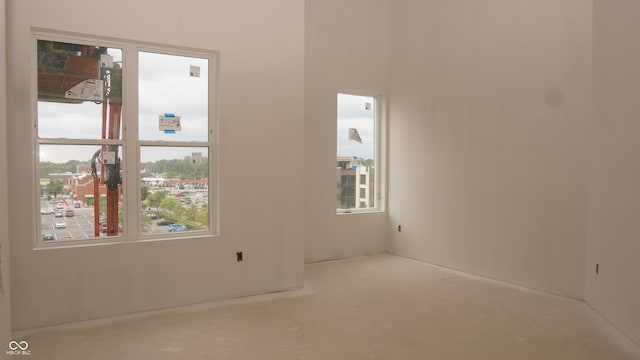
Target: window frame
point(380, 151)
point(129, 142)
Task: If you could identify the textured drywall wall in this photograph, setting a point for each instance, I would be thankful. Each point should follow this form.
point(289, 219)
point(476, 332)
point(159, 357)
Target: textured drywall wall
point(261, 91)
point(614, 202)
point(346, 49)
point(488, 137)
point(5, 299)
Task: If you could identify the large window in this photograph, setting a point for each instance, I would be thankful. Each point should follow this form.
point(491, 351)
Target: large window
point(358, 160)
point(124, 137)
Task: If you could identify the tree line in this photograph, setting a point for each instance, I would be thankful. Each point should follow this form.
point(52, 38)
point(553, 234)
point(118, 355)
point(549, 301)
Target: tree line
point(183, 169)
point(47, 167)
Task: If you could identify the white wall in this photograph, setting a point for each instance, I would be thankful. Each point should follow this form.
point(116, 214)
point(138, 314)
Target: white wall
point(614, 206)
point(261, 122)
point(5, 303)
point(489, 132)
point(346, 49)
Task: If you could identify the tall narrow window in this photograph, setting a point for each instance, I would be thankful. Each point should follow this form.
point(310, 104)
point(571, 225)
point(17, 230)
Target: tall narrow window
point(358, 145)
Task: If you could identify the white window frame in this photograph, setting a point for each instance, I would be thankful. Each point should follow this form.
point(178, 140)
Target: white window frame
point(129, 141)
point(380, 152)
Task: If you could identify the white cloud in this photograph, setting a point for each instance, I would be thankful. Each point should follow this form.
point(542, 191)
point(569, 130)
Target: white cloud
point(165, 86)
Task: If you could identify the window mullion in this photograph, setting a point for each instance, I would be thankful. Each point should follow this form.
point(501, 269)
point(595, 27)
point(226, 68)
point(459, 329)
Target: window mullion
point(130, 137)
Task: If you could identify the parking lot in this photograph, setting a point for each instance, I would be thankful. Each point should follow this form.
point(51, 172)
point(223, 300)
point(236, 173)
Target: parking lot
point(78, 226)
point(81, 224)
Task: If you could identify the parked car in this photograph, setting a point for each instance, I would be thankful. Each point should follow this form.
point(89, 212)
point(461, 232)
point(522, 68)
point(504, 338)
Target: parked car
point(69, 213)
point(46, 211)
point(176, 227)
point(58, 213)
point(48, 237)
point(165, 222)
point(103, 228)
point(60, 206)
point(61, 225)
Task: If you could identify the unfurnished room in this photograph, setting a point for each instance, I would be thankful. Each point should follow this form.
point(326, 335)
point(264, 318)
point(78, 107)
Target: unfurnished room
point(320, 179)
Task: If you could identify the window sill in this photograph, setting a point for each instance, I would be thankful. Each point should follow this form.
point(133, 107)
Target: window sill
point(358, 211)
point(67, 244)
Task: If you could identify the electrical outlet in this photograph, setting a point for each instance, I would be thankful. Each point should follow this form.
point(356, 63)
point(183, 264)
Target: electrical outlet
point(239, 256)
point(597, 269)
point(399, 228)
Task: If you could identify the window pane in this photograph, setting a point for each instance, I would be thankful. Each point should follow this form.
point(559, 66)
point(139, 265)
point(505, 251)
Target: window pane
point(75, 81)
point(175, 88)
point(355, 162)
point(174, 189)
point(72, 177)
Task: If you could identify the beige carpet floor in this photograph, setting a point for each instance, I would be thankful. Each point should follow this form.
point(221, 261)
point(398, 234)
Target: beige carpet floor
point(376, 307)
